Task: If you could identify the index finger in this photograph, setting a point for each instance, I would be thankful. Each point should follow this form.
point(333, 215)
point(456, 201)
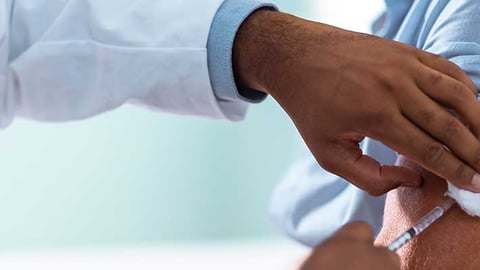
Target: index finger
point(346, 159)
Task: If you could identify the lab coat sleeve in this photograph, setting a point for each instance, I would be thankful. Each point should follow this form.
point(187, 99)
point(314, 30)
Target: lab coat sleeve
point(455, 35)
point(63, 60)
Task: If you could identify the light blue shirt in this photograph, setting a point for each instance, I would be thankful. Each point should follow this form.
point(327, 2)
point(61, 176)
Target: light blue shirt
point(310, 204)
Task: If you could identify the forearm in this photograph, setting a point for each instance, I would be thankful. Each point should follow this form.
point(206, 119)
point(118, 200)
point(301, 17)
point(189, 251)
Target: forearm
point(260, 46)
point(268, 42)
point(339, 86)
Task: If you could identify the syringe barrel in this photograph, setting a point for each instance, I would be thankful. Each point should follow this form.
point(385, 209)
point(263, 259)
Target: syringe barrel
point(428, 219)
point(422, 224)
point(433, 215)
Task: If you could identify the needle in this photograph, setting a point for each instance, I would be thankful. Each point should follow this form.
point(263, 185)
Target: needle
point(422, 224)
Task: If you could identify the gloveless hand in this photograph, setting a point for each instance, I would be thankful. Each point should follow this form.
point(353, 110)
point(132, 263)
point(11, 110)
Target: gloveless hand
point(352, 248)
point(339, 87)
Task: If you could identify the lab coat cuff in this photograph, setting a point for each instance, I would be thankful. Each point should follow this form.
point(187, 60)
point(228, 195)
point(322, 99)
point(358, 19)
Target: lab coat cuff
point(225, 25)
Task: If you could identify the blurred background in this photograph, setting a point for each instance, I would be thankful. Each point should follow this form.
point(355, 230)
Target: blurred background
point(132, 177)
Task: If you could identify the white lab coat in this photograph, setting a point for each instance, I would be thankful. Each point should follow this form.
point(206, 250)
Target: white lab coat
point(66, 60)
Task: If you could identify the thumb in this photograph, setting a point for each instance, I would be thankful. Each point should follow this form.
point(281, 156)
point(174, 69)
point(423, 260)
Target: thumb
point(346, 159)
point(359, 231)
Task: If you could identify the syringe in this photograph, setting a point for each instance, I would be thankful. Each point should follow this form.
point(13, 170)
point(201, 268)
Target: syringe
point(422, 224)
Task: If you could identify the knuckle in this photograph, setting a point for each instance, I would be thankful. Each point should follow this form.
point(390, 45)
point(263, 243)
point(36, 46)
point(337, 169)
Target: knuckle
point(432, 55)
point(378, 119)
point(459, 96)
point(458, 89)
point(468, 93)
point(434, 154)
point(452, 128)
point(461, 171)
point(435, 78)
point(454, 70)
point(473, 91)
point(328, 164)
point(427, 116)
point(389, 77)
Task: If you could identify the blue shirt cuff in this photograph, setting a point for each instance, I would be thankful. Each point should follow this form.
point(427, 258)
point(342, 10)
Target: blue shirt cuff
point(227, 21)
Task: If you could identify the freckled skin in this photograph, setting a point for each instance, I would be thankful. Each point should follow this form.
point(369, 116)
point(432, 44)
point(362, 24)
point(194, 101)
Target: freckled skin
point(453, 242)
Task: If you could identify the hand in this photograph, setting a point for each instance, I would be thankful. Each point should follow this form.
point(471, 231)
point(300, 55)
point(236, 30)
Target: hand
point(352, 248)
point(339, 87)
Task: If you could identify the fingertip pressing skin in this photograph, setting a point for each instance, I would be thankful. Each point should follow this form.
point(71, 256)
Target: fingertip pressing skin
point(401, 176)
point(367, 173)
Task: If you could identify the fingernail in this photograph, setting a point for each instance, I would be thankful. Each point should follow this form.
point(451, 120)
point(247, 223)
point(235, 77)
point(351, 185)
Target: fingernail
point(476, 182)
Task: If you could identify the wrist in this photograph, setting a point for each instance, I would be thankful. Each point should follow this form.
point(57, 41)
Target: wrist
point(258, 51)
point(271, 47)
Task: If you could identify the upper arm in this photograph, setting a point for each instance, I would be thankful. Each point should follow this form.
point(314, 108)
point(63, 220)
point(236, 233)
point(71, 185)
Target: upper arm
point(452, 30)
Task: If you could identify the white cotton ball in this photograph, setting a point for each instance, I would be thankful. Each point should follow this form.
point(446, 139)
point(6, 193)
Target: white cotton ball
point(468, 201)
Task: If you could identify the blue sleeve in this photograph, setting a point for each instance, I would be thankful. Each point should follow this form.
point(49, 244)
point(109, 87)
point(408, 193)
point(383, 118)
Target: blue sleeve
point(227, 21)
point(451, 31)
point(310, 204)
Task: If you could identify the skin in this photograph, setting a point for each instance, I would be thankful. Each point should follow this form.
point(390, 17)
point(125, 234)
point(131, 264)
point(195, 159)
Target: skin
point(451, 243)
point(352, 248)
point(339, 87)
